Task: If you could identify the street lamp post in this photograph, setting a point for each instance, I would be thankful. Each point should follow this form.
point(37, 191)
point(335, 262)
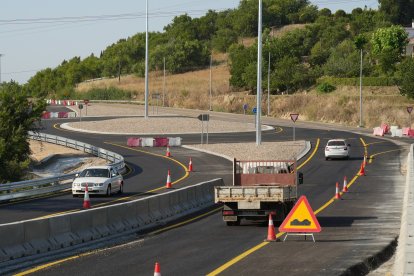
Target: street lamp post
point(360, 93)
point(146, 63)
point(211, 63)
point(259, 78)
point(268, 88)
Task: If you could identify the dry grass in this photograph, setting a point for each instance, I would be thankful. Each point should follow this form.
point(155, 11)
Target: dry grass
point(191, 90)
point(278, 32)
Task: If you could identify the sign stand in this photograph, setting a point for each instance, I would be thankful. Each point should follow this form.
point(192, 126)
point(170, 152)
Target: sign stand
point(80, 106)
point(254, 110)
point(202, 118)
point(299, 234)
point(294, 117)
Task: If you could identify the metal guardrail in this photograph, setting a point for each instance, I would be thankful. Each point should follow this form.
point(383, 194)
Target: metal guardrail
point(41, 186)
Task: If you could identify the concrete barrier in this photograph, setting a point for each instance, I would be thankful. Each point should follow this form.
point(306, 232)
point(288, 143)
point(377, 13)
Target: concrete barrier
point(31, 237)
point(378, 131)
point(403, 264)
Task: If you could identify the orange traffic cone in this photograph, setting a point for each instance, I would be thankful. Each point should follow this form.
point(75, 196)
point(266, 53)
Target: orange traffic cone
point(168, 153)
point(157, 270)
point(190, 165)
point(271, 236)
point(86, 200)
point(362, 170)
point(337, 194)
point(168, 185)
point(345, 187)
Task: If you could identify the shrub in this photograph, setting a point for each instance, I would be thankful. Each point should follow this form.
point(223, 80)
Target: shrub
point(110, 93)
point(325, 88)
point(366, 81)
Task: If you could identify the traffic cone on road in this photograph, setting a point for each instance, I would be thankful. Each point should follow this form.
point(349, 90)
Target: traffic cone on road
point(86, 200)
point(190, 165)
point(345, 188)
point(168, 153)
point(337, 194)
point(271, 236)
point(168, 185)
point(157, 270)
point(362, 170)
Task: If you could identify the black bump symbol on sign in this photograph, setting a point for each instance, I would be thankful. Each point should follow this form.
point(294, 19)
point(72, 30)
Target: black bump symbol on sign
point(300, 223)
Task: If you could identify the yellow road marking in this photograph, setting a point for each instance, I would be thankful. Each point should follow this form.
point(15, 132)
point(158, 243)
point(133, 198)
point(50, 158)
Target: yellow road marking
point(379, 153)
point(373, 143)
point(41, 267)
point(311, 156)
point(257, 247)
point(126, 198)
point(278, 131)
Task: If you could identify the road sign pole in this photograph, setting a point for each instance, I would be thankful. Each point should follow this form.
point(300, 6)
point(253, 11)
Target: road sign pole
point(294, 130)
point(410, 121)
point(202, 131)
point(80, 115)
point(207, 133)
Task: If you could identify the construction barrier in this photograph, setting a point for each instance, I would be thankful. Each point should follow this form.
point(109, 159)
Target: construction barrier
point(160, 142)
point(154, 142)
point(405, 130)
point(385, 128)
point(134, 142)
point(396, 132)
point(378, 131)
point(40, 236)
point(411, 132)
point(147, 142)
point(174, 141)
point(46, 115)
point(54, 115)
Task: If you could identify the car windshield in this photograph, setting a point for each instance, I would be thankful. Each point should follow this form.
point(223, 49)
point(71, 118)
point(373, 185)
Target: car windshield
point(336, 143)
point(95, 173)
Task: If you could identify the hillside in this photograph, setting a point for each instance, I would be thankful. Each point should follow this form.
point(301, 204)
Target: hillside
point(191, 90)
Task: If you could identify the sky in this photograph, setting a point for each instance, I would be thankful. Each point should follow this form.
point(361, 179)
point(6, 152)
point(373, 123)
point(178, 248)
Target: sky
point(27, 47)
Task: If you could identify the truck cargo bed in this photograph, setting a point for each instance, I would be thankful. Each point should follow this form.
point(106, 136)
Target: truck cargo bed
point(254, 193)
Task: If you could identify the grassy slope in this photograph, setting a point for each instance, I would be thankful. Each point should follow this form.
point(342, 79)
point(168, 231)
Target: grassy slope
point(191, 90)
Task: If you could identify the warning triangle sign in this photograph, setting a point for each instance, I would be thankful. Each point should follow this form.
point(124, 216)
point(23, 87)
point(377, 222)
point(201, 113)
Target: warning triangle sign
point(301, 219)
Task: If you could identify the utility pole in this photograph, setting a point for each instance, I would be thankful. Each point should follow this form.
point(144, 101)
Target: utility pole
point(268, 88)
point(211, 62)
point(163, 87)
point(259, 78)
point(146, 63)
point(360, 93)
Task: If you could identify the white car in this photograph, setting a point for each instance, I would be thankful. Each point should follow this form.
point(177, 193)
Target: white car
point(102, 180)
point(337, 148)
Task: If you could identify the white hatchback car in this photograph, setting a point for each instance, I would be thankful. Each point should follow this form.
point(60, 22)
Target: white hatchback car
point(337, 148)
point(100, 180)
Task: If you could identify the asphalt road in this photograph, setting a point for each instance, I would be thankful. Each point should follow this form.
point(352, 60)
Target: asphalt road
point(354, 229)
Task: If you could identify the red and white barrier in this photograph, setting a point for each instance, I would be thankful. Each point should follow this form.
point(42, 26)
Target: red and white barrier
point(154, 142)
point(134, 142)
point(385, 128)
point(378, 131)
point(55, 115)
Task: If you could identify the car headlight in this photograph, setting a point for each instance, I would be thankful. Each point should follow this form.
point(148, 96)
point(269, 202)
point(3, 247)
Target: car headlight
point(96, 184)
point(101, 184)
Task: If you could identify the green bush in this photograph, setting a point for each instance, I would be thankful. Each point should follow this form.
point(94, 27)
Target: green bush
point(366, 81)
point(110, 93)
point(325, 88)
